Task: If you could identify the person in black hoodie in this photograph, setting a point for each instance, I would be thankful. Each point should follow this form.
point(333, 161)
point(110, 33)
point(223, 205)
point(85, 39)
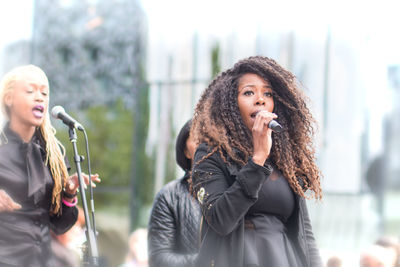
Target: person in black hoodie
point(175, 217)
point(252, 183)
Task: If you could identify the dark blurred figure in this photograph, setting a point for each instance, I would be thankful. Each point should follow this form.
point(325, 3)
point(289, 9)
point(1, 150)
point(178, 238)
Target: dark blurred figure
point(334, 261)
point(376, 180)
point(175, 218)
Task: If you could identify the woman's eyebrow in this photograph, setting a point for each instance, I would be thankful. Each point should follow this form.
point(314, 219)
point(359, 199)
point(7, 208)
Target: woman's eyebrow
point(253, 85)
point(40, 86)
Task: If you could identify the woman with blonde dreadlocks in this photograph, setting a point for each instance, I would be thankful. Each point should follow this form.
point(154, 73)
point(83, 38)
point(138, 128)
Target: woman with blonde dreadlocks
point(36, 193)
point(251, 182)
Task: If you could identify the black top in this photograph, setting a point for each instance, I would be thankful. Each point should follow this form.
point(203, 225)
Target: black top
point(267, 243)
point(25, 233)
point(174, 226)
point(275, 197)
point(226, 193)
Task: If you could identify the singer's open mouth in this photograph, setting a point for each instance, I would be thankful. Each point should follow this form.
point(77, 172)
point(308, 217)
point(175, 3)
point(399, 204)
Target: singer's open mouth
point(254, 114)
point(39, 108)
point(38, 111)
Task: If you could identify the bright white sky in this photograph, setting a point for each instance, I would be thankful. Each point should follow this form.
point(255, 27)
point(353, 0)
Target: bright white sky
point(15, 20)
point(176, 17)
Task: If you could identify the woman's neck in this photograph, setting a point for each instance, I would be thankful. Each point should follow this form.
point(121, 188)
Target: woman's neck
point(24, 131)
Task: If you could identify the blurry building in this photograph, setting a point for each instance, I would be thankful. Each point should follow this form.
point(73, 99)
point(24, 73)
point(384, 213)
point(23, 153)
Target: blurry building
point(392, 123)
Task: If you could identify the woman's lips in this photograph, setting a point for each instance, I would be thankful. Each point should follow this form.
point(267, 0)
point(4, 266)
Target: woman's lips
point(38, 111)
point(254, 114)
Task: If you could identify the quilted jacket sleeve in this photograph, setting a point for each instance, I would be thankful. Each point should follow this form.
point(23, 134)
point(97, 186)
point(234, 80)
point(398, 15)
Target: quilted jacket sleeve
point(162, 237)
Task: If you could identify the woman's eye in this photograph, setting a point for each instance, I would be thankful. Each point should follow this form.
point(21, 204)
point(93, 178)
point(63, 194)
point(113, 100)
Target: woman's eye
point(248, 93)
point(268, 94)
point(29, 91)
point(44, 93)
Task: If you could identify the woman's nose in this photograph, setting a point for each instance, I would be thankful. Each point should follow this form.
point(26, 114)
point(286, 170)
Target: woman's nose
point(39, 97)
point(260, 101)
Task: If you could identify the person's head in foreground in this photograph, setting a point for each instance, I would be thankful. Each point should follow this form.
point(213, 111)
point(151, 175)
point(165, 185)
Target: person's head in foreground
point(235, 103)
point(24, 94)
point(378, 256)
point(137, 255)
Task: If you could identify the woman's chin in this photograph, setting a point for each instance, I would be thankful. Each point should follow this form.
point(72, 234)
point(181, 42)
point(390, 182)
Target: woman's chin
point(37, 122)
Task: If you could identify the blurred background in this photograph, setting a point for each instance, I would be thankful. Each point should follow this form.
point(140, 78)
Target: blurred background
point(131, 71)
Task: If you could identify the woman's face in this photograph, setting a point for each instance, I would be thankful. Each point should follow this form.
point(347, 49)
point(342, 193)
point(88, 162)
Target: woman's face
point(255, 94)
point(28, 101)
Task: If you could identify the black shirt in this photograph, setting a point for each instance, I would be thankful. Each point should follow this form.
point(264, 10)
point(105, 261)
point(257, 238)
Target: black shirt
point(25, 233)
point(267, 243)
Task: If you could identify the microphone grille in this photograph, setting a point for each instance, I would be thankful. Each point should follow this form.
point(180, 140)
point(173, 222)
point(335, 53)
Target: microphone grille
point(56, 110)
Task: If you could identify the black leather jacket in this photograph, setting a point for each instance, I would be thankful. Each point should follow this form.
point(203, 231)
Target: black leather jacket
point(174, 226)
point(226, 192)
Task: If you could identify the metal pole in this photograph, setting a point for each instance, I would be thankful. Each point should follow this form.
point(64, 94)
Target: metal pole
point(92, 259)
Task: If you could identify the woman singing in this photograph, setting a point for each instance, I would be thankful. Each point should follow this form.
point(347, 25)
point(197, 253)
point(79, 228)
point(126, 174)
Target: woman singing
point(252, 183)
point(36, 193)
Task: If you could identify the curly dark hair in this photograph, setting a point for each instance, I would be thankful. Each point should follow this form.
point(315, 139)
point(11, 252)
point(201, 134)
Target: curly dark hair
point(218, 123)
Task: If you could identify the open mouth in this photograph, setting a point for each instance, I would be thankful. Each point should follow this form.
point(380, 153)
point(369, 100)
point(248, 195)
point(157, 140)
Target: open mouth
point(38, 111)
point(254, 114)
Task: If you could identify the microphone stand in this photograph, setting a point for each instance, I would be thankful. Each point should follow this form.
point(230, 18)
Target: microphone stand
point(91, 255)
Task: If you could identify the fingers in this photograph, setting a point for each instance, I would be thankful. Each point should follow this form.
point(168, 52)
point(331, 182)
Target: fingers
point(262, 120)
point(7, 203)
point(266, 116)
point(74, 181)
point(95, 178)
point(15, 206)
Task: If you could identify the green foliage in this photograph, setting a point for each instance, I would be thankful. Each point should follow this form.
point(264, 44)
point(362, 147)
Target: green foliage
point(110, 130)
point(215, 60)
point(142, 180)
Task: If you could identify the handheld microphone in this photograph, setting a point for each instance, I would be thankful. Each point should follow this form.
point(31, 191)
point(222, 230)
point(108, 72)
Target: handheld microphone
point(58, 112)
point(275, 126)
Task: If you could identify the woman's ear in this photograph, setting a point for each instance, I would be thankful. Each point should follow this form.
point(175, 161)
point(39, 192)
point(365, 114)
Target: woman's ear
point(8, 100)
point(187, 153)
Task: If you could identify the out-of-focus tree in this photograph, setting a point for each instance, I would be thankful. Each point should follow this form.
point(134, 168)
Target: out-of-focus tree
point(110, 129)
point(94, 55)
point(92, 52)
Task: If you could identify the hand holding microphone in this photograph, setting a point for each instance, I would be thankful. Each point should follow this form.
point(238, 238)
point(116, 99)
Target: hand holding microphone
point(263, 126)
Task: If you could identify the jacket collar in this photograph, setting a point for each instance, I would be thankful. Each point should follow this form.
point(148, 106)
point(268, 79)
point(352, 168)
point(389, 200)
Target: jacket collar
point(35, 156)
point(12, 137)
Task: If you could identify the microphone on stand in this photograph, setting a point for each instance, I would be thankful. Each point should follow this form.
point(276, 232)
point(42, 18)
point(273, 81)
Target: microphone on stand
point(58, 112)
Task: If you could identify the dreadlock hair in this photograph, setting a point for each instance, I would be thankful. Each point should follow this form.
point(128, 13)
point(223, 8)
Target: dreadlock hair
point(218, 123)
point(55, 151)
